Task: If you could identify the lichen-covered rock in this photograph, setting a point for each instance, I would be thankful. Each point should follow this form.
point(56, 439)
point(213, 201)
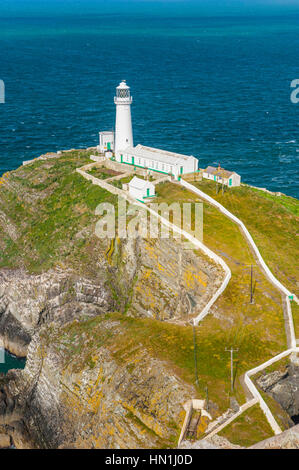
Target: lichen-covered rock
point(137, 403)
point(4, 441)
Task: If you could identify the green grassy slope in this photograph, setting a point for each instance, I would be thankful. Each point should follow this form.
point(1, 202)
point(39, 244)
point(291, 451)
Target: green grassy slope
point(273, 222)
point(47, 219)
point(49, 215)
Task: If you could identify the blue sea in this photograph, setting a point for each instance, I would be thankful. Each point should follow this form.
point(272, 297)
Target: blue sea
point(10, 362)
point(214, 87)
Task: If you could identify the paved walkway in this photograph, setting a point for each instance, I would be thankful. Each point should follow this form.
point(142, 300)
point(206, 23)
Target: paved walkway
point(289, 323)
point(250, 390)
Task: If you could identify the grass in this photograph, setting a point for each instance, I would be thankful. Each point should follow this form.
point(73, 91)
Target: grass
point(49, 204)
point(233, 311)
point(173, 344)
point(273, 224)
point(103, 173)
point(248, 429)
point(50, 221)
point(125, 180)
point(295, 312)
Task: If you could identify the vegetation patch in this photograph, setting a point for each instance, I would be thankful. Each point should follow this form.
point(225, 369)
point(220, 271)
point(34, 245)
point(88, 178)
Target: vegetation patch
point(248, 429)
point(50, 215)
point(272, 222)
point(103, 172)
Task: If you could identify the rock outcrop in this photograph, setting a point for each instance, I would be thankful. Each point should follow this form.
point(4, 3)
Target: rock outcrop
point(95, 402)
point(75, 393)
point(283, 386)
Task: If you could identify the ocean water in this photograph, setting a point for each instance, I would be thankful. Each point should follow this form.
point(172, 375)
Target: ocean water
point(217, 88)
point(10, 362)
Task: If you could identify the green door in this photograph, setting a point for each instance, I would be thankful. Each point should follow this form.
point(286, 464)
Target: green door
point(230, 182)
point(147, 192)
point(214, 178)
point(121, 158)
point(108, 145)
point(133, 160)
point(181, 170)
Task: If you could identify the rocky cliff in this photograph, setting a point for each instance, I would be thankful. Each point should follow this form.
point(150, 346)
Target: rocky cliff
point(65, 301)
point(105, 324)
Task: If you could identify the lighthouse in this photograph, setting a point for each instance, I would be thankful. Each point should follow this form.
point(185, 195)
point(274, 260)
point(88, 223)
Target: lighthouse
point(123, 123)
point(150, 159)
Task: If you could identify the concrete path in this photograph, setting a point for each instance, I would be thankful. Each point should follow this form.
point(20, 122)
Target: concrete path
point(251, 389)
point(289, 323)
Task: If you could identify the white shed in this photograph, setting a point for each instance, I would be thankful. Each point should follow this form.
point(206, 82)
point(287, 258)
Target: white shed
point(106, 141)
point(141, 189)
point(220, 175)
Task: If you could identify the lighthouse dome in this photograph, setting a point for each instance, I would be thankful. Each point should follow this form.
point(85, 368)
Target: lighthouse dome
point(123, 85)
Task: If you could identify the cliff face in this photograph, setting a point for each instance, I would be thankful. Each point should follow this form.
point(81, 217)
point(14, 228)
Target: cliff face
point(75, 391)
point(65, 299)
point(97, 401)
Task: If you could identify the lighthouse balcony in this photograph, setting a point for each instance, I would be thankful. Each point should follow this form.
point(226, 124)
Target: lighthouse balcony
point(126, 100)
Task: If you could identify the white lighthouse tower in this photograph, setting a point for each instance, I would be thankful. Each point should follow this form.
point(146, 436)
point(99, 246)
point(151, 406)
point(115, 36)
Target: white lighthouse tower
point(123, 124)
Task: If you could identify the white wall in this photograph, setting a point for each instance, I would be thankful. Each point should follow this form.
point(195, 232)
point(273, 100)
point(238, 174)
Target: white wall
point(136, 193)
point(105, 139)
point(142, 193)
point(236, 179)
point(189, 166)
point(123, 128)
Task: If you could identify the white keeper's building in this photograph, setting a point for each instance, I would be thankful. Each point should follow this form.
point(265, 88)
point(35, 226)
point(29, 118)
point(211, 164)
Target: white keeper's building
point(220, 175)
point(121, 143)
point(161, 161)
point(141, 189)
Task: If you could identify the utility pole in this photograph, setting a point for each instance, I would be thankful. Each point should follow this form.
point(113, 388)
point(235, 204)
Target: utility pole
point(231, 350)
point(251, 266)
point(195, 356)
point(207, 398)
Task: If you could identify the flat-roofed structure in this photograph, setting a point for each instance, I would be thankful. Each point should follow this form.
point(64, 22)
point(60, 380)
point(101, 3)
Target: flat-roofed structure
point(158, 160)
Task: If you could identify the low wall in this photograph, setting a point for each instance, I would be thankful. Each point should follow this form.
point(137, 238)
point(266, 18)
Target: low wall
point(174, 228)
point(256, 393)
point(243, 408)
point(257, 396)
point(101, 183)
point(249, 238)
point(194, 404)
point(189, 409)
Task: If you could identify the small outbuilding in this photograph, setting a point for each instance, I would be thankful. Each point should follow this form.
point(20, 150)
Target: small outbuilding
point(220, 175)
point(141, 189)
point(106, 141)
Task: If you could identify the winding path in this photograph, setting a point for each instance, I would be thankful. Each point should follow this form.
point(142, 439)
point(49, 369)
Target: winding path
point(251, 389)
point(289, 324)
